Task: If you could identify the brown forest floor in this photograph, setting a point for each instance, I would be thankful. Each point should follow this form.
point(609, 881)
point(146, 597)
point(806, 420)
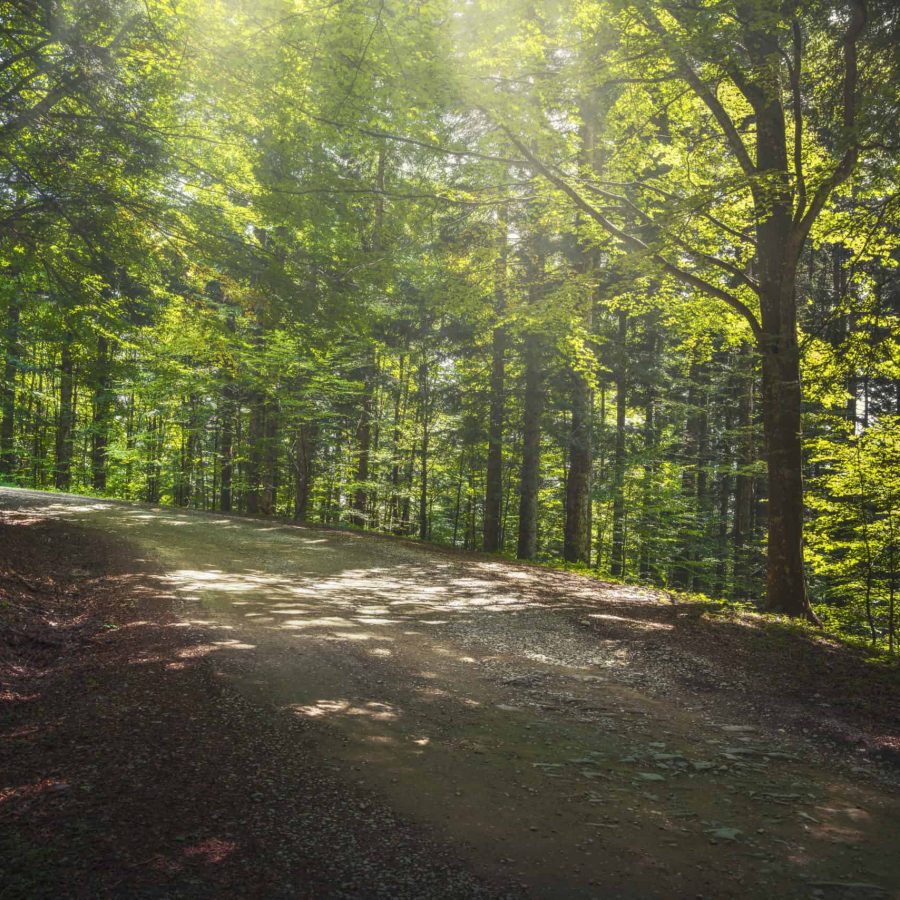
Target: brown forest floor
point(135, 764)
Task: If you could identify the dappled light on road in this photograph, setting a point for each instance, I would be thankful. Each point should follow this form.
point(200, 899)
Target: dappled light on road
point(377, 712)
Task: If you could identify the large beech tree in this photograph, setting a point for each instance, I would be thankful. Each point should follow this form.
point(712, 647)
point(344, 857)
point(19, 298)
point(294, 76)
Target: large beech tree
point(732, 137)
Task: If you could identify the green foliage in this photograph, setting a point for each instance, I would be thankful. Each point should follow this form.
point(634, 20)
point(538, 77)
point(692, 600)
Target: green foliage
point(855, 537)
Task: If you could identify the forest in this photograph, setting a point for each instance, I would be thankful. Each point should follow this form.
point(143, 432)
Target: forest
point(604, 284)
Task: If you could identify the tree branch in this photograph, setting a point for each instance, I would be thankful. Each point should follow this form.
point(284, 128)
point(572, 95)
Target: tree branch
point(64, 88)
point(844, 168)
point(704, 92)
point(635, 243)
point(709, 258)
point(668, 195)
point(794, 70)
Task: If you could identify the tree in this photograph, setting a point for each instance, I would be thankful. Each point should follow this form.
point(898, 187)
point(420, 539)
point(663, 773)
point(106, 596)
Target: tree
point(746, 256)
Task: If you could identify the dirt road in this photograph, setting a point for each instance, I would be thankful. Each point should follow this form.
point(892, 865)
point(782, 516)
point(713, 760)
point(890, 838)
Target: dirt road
point(556, 732)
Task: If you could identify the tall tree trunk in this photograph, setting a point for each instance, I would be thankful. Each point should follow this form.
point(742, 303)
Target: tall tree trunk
point(408, 472)
point(577, 519)
point(724, 497)
point(11, 352)
point(458, 505)
point(493, 495)
point(785, 581)
point(153, 461)
point(256, 433)
point(529, 476)
point(129, 444)
point(65, 426)
point(743, 490)
point(782, 405)
point(600, 537)
point(32, 419)
point(618, 560)
point(703, 445)
point(39, 439)
point(577, 527)
point(359, 512)
point(330, 509)
point(188, 453)
point(374, 242)
point(405, 524)
point(228, 409)
point(102, 408)
point(226, 446)
point(181, 474)
point(533, 401)
point(577, 536)
point(839, 287)
point(650, 430)
point(779, 244)
point(423, 483)
point(269, 476)
point(305, 441)
point(401, 397)
point(701, 500)
point(684, 570)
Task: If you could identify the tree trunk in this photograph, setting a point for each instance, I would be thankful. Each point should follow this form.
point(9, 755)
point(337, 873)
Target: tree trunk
point(401, 398)
point(493, 495)
point(102, 407)
point(153, 463)
point(8, 396)
point(226, 447)
point(785, 581)
point(458, 505)
point(600, 536)
point(228, 409)
point(255, 436)
point(359, 511)
point(65, 425)
point(617, 566)
point(423, 484)
point(778, 255)
point(743, 491)
point(839, 287)
point(577, 537)
point(189, 452)
point(269, 478)
point(577, 518)
point(304, 453)
point(405, 526)
point(529, 476)
point(577, 526)
point(364, 447)
point(781, 406)
point(647, 513)
point(129, 444)
point(722, 542)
